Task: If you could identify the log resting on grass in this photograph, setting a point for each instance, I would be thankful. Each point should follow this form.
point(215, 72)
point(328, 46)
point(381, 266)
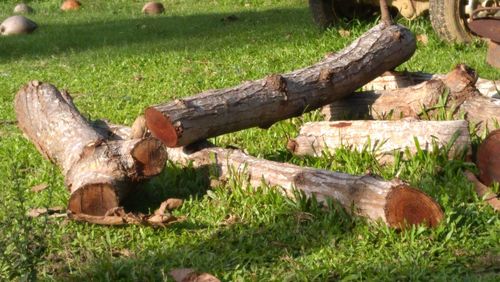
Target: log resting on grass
point(463, 99)
point(393, 202)
point(99, 169)
point(383, 138)
point(277, 97)
point(391, 80)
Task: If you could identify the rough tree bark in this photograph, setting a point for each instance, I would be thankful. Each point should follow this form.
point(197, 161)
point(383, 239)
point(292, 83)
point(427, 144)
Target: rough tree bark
point(393, 202)
point(463, 99)
point(391, 80)
point(277, 97)
point(385, 138)
point(99, 169)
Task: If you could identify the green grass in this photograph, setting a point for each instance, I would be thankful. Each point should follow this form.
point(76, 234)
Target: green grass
point(97, 52)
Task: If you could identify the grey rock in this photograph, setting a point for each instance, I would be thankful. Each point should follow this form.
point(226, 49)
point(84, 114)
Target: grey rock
point(23, 8)
point(17, 25)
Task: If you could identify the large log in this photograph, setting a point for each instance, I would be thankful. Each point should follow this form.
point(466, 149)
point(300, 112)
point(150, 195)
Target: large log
point(98, 167)
point(277, 97)
point(393, 202)
point(463, 100)
point(390, 80)
point(383, 138)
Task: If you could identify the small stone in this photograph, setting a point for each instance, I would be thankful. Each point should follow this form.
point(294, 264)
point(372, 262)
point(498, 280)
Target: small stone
point(23, 9)
point(17, 25)
point(153, 8)
point(69, 5)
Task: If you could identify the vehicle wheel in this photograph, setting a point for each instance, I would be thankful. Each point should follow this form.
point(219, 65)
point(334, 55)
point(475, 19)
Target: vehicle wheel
point(449, 20)
point(326, 12)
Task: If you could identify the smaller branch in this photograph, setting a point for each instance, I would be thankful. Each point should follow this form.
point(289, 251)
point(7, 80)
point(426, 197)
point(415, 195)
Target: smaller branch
point(484, 192)
point(391, 80)
point(385, 15)
point(383, 138)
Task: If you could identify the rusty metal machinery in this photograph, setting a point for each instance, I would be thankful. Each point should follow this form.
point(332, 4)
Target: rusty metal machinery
point(485, 22)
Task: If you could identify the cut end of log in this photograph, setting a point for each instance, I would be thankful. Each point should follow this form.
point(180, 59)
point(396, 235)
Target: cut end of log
point(488, 158)
point(460, 77)
point(161, 127)
point(407, 206)
point(150, 157)
point(93, 199)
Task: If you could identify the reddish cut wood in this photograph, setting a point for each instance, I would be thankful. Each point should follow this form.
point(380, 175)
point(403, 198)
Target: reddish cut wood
point(393, 202)
point(277, 97)
point(99, 166)
point(488, 158)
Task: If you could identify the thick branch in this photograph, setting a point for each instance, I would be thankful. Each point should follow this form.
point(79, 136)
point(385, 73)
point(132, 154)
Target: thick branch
point(393, 202)
point(99, 168)
point(277, 97)
point(463, 99)
point(383, 138)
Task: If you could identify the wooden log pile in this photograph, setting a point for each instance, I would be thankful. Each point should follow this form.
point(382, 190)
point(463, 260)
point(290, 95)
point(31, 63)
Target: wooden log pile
point(103, 162)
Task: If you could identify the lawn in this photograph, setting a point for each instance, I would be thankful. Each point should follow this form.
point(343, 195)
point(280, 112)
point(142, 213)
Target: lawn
point(116, 61)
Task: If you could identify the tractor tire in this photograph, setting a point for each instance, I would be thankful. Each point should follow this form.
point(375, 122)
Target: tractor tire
point(449, 21)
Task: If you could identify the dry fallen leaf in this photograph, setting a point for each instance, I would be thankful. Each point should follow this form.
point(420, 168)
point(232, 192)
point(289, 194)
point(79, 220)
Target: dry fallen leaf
point(423, 39)
point(173, 203)
point(230, 220)
point(39, 187)
point(52, 212)
point(344, 33)
point(190, 275)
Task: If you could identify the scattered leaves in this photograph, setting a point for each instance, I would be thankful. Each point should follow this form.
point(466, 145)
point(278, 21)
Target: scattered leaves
point(190, 275)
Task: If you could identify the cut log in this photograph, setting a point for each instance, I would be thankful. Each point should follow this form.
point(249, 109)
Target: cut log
point(383, 138)
point(277, 97)
point(463, 100)
point(98, 167)
point(392, 202)
point(391, 80)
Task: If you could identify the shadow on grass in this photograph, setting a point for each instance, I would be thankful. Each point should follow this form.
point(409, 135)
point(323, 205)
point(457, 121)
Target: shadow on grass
point(296, 229)
point(162, 33)
point(168, 33)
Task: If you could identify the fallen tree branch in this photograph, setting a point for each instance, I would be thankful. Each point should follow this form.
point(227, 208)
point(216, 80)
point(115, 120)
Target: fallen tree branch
point(99, 170)
point(277, 97)
point(383, 138)
point(415, 101)
point(391, 80)
point(392, 202)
